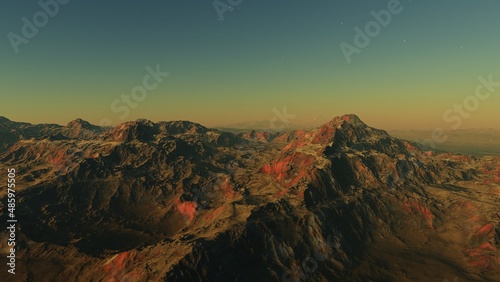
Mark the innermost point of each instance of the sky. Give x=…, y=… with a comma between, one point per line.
x=419, y=70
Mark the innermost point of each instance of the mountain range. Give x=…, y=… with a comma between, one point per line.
x=176, y=201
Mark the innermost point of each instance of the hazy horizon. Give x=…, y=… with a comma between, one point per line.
x=264, y=124
x=260, y=57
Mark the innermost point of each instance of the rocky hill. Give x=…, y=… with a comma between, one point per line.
x=176, y=201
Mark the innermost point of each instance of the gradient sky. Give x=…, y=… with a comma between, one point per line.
x=263, y=55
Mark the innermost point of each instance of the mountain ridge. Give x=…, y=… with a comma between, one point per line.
x=179, y=201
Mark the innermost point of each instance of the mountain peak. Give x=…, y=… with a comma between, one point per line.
x=4, y=119
x=182, y=126
x=144, y=121
x=349, y=118
x=79, y=122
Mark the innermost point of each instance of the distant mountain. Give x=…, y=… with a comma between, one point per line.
x=273, y=125
x=479, y=142
x=176, y=201
x=250, y=125
x=11, y=132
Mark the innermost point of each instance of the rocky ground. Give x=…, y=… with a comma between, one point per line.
x=175, y=201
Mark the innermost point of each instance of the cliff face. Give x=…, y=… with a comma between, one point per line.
x=176, y=201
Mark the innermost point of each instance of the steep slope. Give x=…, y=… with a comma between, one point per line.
x=11, y=132
x=355, y=205
x=175, y=201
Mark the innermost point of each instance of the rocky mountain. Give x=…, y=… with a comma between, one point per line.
x=11, y=132
x=176, y=201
